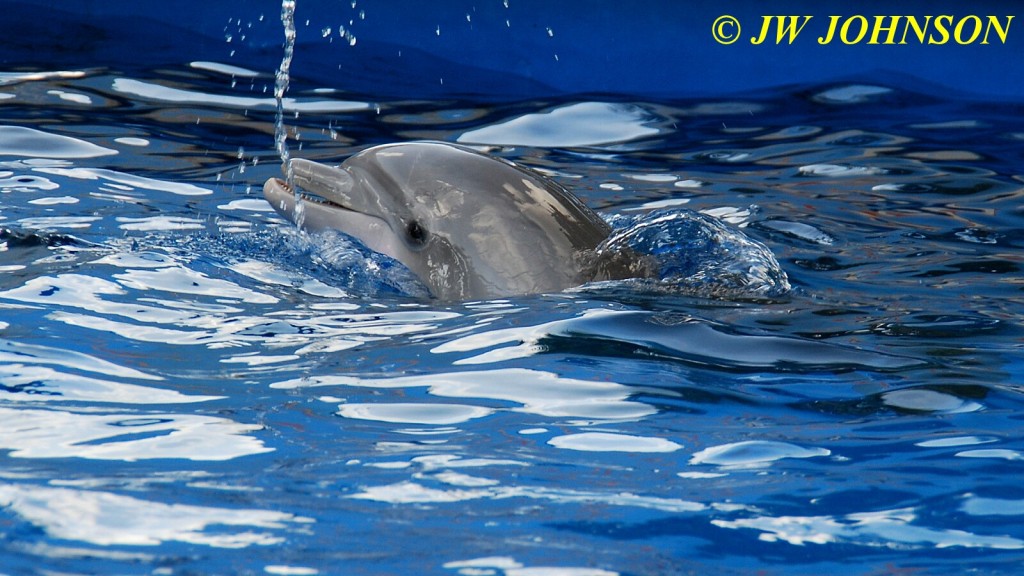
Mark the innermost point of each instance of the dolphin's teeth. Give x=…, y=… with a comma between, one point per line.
x=284, y=185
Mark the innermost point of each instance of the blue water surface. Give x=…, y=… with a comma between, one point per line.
x=190, y=386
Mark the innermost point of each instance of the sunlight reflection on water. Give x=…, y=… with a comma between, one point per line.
x=180, y=370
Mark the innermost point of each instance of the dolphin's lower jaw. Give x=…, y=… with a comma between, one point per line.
x=277, y=186
x=281, y=197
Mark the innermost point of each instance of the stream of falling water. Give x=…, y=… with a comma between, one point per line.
x=281, y=81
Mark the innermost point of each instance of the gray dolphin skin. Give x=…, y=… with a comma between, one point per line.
x=469, y=225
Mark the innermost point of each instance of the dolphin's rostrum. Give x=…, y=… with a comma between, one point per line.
x=469, y=225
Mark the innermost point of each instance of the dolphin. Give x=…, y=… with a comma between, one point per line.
x=467, y=224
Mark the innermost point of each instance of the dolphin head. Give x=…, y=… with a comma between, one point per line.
x=467, y=224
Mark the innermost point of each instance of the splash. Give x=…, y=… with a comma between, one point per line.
x=282, y=78
x=699, y=254
x=281, y=81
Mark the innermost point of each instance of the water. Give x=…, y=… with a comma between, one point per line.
x=282, y=78
x=191, y=387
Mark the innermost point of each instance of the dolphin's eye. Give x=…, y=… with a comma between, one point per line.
x=416, y=233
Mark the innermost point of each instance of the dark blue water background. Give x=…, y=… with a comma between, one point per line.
x=188, y=386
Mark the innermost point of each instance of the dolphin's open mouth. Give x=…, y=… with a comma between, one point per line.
x=327, y=186
x=321, y=198
x=278, y=188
